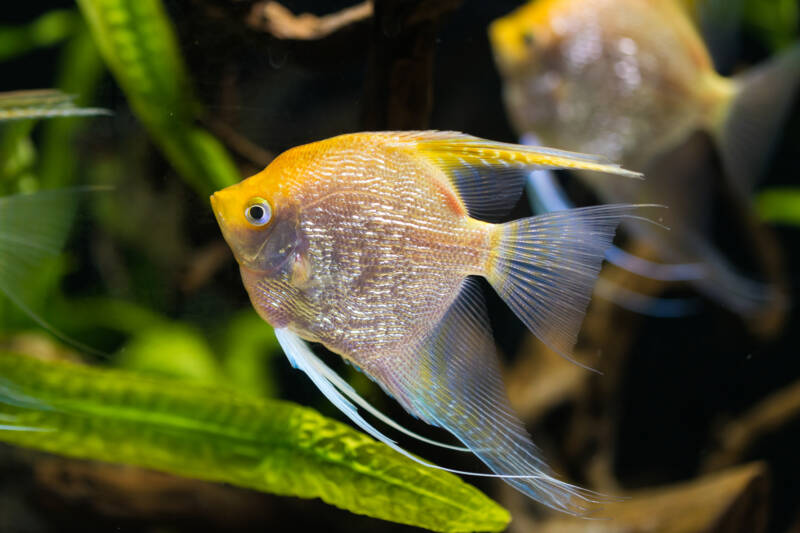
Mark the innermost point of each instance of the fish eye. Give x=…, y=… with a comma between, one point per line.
x=527, y=38
x=258, y=212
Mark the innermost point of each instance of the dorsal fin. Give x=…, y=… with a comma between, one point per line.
x=489, y=175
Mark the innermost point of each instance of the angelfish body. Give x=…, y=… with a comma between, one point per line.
x=367, y=243
x=361, y=297
x=622, y=78
x=632, y=80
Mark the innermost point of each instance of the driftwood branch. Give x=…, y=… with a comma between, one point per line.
x=399, y=90
x=732, y=501
x=736, y=438
x=281, y=23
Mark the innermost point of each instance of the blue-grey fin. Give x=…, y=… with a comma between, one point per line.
x=33, y=229
x=547, y=195
x=4, y=427
x=346, y=389
x=10, y=394
x=42, y=103
x=742, y=295
x=544, y=267
x=302, y=358
x=643, y=304
x=452, y=380
x=489, y=176
x=652, y=270
x=748, y=131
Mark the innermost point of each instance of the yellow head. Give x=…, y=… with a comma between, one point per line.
x=259, y=220
x=516, y=37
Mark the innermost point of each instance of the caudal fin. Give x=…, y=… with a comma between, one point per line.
x=545, y=267
x=747, y=132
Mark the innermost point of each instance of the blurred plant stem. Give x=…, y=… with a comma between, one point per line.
x=80, y=70
x=47, y=30
x=138, y=43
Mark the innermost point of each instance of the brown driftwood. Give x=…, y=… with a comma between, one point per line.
x=129, y=492
x=732, y=501
x=398, y=93
x=604, y=344
x=737, y=437
x=281, y=23
x=541, y=380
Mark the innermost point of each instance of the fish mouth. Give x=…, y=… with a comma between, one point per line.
x=216, y=210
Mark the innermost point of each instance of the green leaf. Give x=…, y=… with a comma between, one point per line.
x=211, y=434
x=47, y=30
x=775, y=20
x=780, y=205
x=250, y=343
x=190, y=356
x=79, y=72
x=138, y=43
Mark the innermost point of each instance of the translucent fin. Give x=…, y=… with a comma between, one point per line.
x=302, y=358
x=651, y=269
x=545, y=267
x=548, y=196
x=738, y=293
x=452, y=380
x=22, y=428
x=326, y=372
x=488, y=175
x=11, y=395
x=42, y=103
x=33, y=229
x=7, y=421
x=750, y=126
x=643, y=304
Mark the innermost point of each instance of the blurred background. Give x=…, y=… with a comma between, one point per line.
x=695, y=415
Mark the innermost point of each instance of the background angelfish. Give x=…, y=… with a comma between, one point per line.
x=368, y=244
x=633, y=80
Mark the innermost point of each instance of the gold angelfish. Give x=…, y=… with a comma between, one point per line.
x=368, y=243
x=632, y=80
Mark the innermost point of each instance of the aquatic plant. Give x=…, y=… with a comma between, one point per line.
x=209, y=433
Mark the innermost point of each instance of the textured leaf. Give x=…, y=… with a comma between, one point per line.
x=138, y=43
x=210, y=434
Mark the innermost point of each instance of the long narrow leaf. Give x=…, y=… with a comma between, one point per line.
x=209, y=434
x=138, y=43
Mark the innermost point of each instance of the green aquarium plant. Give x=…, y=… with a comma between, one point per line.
x=780, y=205
x=138, y=43
x=211, y=434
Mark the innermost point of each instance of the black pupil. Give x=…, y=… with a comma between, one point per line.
x=527, y=38
x=256, y=212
